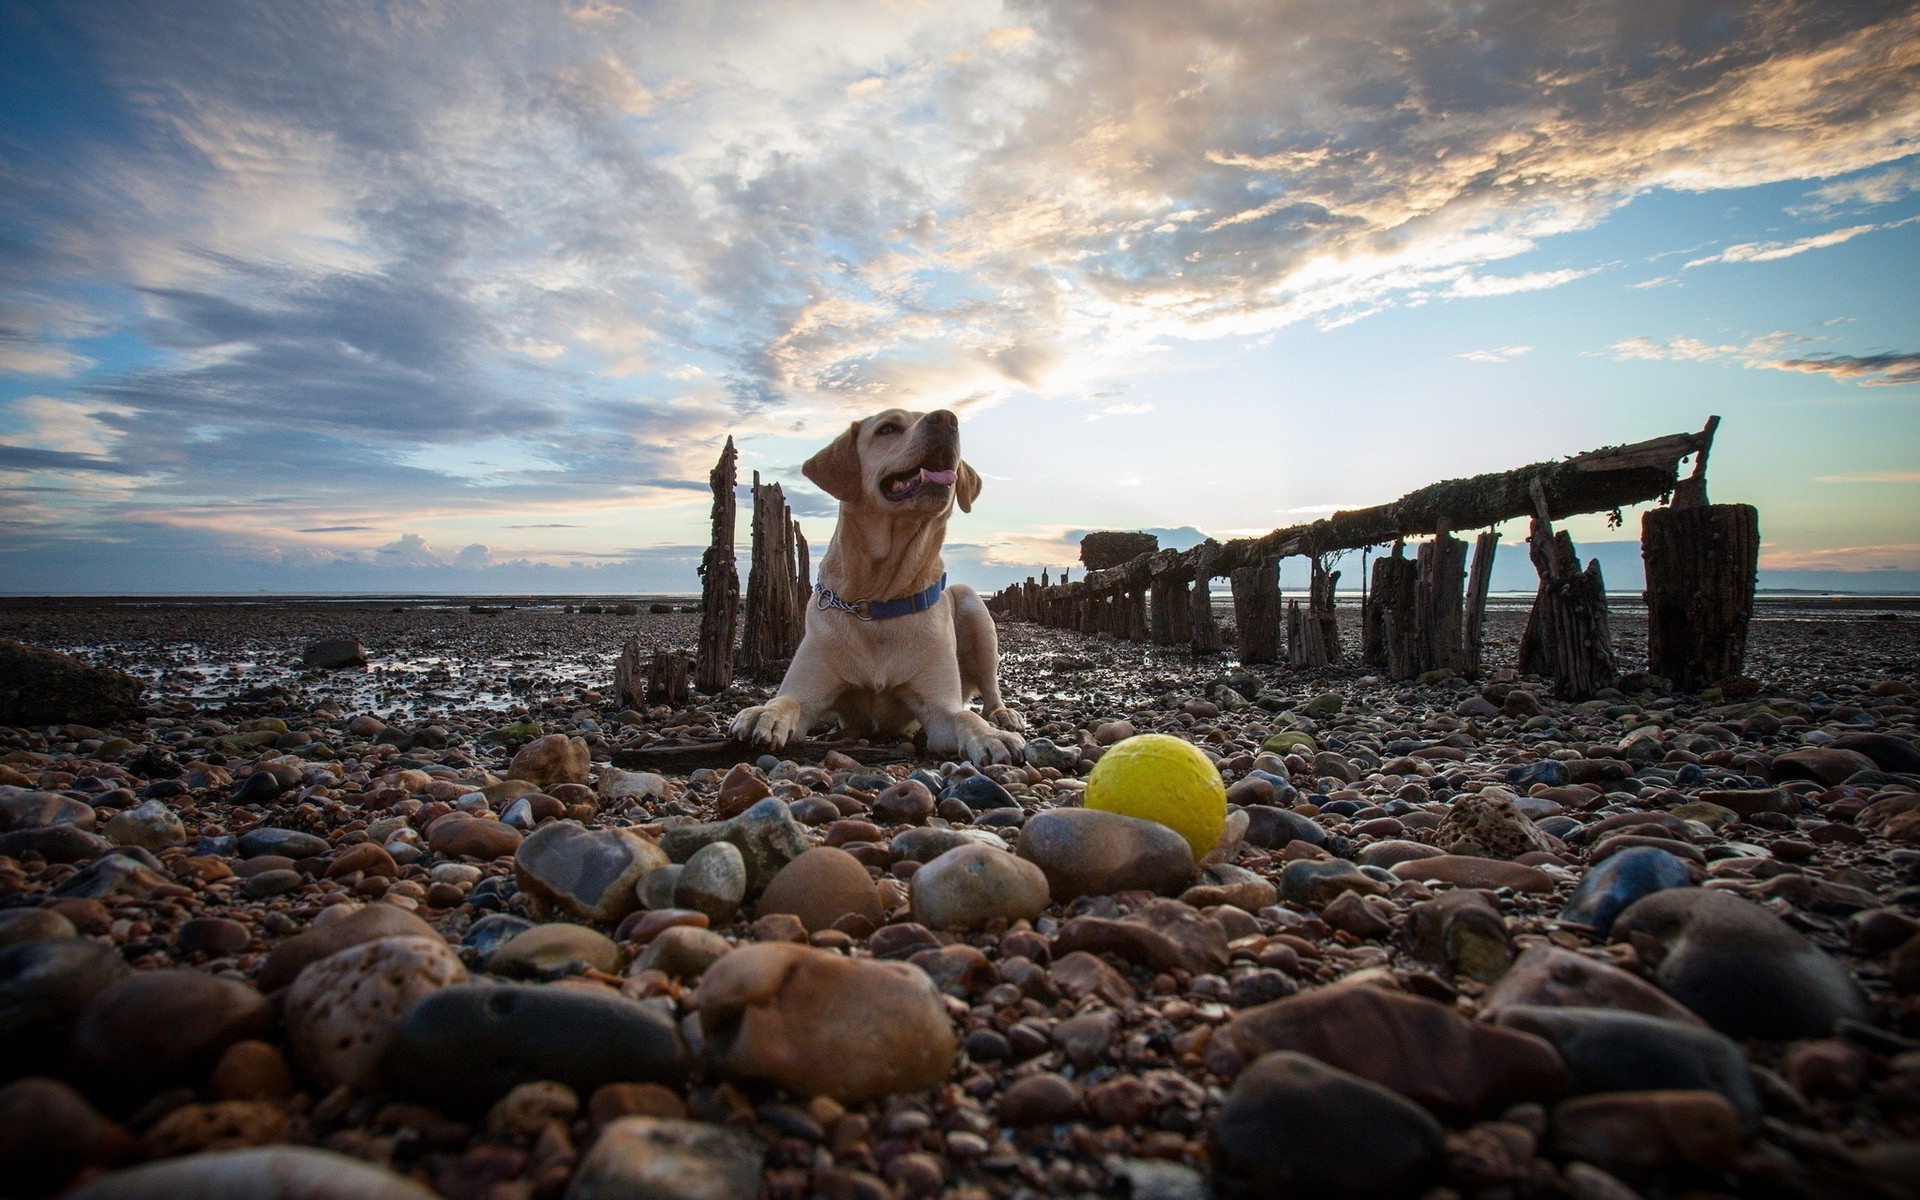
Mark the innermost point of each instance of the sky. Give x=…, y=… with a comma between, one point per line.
x=466, y=296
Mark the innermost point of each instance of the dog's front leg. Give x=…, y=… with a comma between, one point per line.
x=953, y=728
x=804, y=696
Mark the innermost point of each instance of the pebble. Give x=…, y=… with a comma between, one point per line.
x=553, y=949
x=287, y=843
x=713, y=881
x=458, y=835
x=150, y=826
x=342, y=1010
x=1317, y=882
x=907, y=802
x=1471, y=871
x=821, y=887
x=820, y=1024
x=1555, y=977
x=43, y=986
x=155, y=1029
x=682, y=952
x=766, y=835
x=1294, y=1125
x=213, y=936
x=1087, y=852
x=18, y=925
x=1463, y=932
x=588, y=873
x=1423, y=1050
x=374, y=921
x=262, y=1173
x=661, y=1158
x=1043, y=1099
x=1634, y=1132
x=554, y=759
x=1613, y=885
x=1609, y=1051
x=465, y=1046
x=48, y=1131
x=970, y=885
x=1739, y=967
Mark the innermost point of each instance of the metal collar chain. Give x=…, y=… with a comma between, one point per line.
x=881, y=610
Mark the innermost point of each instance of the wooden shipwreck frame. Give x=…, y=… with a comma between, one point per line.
x=1426, y=613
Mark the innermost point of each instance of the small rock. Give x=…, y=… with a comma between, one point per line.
x=1087, y=852
x=821, y=1024
x=1163, y=934
x=682, y=952
x=48, y=1131
x=589, y=873
x=1548, y=975
x=342, y=1010
x=213, y=936
x=529, y=1108
x=905, y=803
x=661, y=1158
x=221, y=1125
x=548, y=761
x=970, y=885
x=150, y=826
x=1613, y=885
x=1042, y=1099
x=458, y=835
x=1293, y=1125
x=1310, y=881
x=1487, y=825
x=1607, y=1051
x=1470, y=871
x=1463, y=932
x=820, y=887
x=554, y=949
x=465, y=1046
x=287, y=959
x=740, y=790
x=1350, y=912
x=21, y=925
x=1422, y=1049
x=714, y=882
x=157, y=1029
x=1739, y=967
x=1643, y=1131
x=261, y=1173
x=766, y=835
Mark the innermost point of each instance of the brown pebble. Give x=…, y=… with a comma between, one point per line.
x=215, y=936
x=1040, y=1100
x=612, y=1101
x=779, y=927
x=251, y=1070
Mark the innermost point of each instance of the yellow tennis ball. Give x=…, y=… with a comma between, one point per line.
x=1161, y=778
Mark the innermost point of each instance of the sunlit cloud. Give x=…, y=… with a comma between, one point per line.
x=1867, y=370
x=1898, y=557
x=1498, y=355
x=1774, y=251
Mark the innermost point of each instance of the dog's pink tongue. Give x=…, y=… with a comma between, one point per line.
x=946, y=477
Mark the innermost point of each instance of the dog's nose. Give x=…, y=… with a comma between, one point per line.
x=943, y=417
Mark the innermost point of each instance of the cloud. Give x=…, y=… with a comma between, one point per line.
x=1498, y=355
x=1120, y=410
x=340, y=263
x=1867, y=370
x=1894, y=557
x=1774, y=251
x=1868, y=190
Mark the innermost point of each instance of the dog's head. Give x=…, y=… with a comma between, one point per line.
x=897, y=461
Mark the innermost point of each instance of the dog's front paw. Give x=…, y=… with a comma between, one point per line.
x=770, y=725
x=982, y=744
x=1005, y=718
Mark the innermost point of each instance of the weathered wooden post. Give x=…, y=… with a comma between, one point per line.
x=1256, y=610
x=720, y=586
x=1320, y=588
x=1442, y=576
x=1387, y=626
x=775, y=610
x=1701, y=560
x=1478, y=579
x=1203, y=633
x=1567, y=636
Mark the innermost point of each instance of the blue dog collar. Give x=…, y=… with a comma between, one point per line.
x=871, y=610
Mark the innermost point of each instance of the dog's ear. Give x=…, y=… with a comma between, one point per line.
x=836, y=469
x=966, y=489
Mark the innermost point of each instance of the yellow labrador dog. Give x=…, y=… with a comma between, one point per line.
x=889, y=645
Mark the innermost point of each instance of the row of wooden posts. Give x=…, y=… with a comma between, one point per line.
x=1419, y=614
x=1427, y=612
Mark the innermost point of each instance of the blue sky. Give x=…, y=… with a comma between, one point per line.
x=414, y=296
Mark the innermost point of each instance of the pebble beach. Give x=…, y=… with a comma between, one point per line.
x=451, y=919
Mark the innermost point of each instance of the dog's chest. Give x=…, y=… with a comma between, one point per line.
x=881, y=655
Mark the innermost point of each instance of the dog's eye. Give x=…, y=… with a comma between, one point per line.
x=887, y=430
